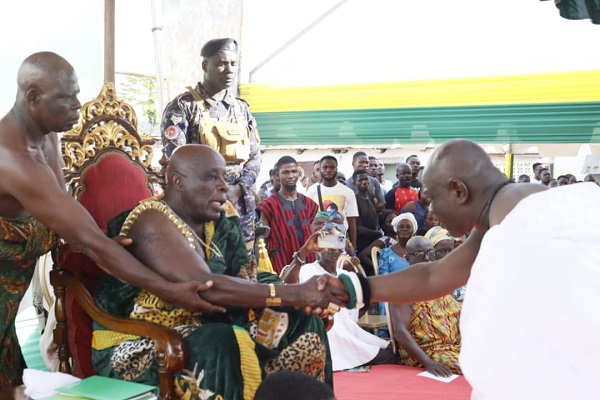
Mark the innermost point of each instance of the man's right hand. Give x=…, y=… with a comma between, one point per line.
x=325, y=280
x=329, y=289
x=186, y=295
x=311, y=244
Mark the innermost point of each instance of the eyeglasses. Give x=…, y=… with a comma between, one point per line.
x=332, y=225
x=441, y=253
x=420, y=255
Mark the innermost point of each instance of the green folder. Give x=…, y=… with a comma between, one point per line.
x=102, y=388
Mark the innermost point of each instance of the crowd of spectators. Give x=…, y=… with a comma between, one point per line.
x=373, y=212
x=368, y=211
x=542, y=174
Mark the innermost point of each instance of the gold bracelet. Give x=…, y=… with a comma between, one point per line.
x=272, y=300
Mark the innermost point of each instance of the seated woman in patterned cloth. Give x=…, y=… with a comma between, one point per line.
x=427, y=332
x=193, y=233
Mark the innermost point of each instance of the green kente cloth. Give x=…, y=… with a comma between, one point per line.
x=224, y=360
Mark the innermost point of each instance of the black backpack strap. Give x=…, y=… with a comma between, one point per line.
x=320, y=197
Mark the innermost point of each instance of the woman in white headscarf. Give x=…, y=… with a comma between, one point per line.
x=393, y=258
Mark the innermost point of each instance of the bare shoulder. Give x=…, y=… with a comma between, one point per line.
x=165, y=243
x=12, y=162
x=154, y=225
x=28, y=173
x=19, y=160
x=509, y=197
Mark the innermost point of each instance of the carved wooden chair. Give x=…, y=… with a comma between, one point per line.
x=108, y=170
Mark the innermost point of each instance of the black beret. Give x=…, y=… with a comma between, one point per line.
x=213, y=46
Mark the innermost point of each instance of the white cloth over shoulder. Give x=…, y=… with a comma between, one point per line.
x=350, y=345
x=531, y=317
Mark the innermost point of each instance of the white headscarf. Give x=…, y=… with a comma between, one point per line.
x=407, y=216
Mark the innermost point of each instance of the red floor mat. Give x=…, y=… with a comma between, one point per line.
x=396, y=382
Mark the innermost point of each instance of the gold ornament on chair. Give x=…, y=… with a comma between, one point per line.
x=264, y=262
x=106, y=122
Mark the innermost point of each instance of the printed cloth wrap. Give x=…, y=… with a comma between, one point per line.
x=22, y=242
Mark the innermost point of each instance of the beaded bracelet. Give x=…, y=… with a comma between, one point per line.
x=366, y=289
x=351, y=290
x=358, y=290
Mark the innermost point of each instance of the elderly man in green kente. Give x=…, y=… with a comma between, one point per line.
x=192, y=233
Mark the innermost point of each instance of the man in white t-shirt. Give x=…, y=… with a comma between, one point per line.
x=332, y=195
x=386, y=184
x=536, y=167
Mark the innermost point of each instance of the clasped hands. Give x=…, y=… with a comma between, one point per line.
x=325, y=294
x=321, y=295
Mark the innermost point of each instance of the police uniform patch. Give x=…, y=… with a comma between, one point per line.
x=176, y=119
x=172, y=132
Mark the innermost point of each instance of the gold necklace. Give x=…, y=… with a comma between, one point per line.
x=184, y=228
x=208, y=248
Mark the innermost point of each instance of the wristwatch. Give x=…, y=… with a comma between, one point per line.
x=273, y=300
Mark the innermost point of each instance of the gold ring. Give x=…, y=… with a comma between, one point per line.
x=333, y=308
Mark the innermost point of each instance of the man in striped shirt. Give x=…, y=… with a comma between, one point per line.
x=288, y=214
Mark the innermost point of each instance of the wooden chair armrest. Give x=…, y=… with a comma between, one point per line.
x=170, y=349
x=61, y=252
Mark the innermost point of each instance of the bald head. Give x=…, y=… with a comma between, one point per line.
x=463, y=160
x=47, y=94
x=196, y=187
x=189, y=159
x=38, y=68
x=418, y=243
x=460, y=179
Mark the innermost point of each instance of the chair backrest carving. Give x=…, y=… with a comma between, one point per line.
x=106, y=123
